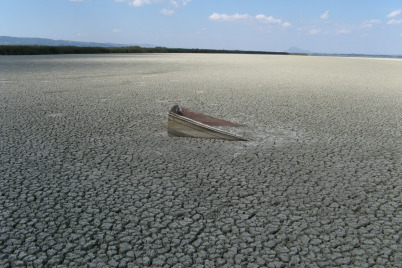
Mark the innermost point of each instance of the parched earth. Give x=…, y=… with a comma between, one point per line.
x=89, y=177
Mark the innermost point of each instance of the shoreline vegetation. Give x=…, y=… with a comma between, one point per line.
x=51, y=50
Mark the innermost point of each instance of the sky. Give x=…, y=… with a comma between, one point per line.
x=321, y=26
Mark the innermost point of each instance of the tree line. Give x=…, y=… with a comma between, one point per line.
x=45, y=50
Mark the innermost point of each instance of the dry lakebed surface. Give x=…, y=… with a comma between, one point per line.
x=89, y=176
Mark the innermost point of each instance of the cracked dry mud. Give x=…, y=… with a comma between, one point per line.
x=90, y=177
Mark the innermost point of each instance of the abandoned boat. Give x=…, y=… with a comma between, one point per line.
x=183, y=122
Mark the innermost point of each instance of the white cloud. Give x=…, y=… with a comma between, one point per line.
x=264, y=19
x=77, y=0
x=394, y=21
x=172, y=4
x=167, y=11
x=225, y=17
x=394, y=13
x=260, y=18
x=202, y=30
x=179, y=3
x=343, y=31
x=117, y=31
x=370, y=23
x=325, y=15
x=138, y=3
x=314, y=31
x=271, y=20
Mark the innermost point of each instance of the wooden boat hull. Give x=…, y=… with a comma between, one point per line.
x=180, y=126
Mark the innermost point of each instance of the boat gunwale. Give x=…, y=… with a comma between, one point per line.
x=213, y=129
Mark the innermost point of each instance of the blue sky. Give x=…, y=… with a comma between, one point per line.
x=342, y=26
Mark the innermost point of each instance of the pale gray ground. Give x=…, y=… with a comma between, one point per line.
x=88, y=175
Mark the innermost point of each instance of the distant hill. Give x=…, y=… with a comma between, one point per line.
x=298, y=50
x=357, y=55
x=9, y=40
